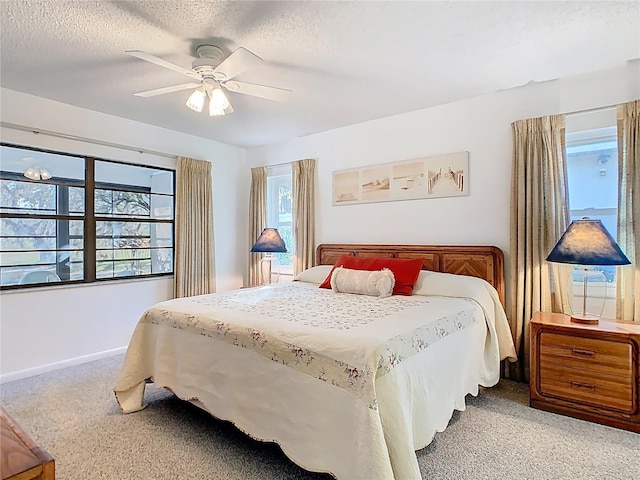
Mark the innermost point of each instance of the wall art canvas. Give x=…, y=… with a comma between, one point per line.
x=434, y=176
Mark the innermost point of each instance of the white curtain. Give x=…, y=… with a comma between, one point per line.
x=257, y=219
x=303, y=174
x=539, y=217
x=628, y=278
x=194, y=253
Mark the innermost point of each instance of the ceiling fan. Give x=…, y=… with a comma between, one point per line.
x=212, y=76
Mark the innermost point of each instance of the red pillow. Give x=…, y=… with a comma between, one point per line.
x=405, y=270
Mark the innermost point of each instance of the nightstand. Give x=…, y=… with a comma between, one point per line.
x=586, y=371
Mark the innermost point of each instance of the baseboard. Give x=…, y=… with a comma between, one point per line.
x=50, y=367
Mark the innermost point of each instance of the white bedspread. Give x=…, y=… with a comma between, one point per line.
x=346, y=384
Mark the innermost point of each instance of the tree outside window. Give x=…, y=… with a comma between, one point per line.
x=47, y=235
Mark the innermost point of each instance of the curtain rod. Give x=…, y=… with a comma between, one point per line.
x=591, y=110
x=271, y=165
x=280, y=164
x=39, y=131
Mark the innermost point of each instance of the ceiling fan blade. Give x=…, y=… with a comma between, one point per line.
x=262, y=91
x=160, y=91
x=236, y=63
x=162, y=63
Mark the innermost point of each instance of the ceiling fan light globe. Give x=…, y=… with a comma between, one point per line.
x=196, y=100
x=32, y=174
x=218, y=103
x=215, y=112
x=44, y=174
x=219, y=99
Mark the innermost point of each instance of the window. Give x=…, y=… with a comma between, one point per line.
x=592, y=171
x=82, y=220
x=279, y=212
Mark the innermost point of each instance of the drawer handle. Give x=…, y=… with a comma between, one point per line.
x=583, y=353
x=583, y=385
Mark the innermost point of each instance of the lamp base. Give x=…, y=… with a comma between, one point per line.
x=589, y=295
x=269, y=270
x=585, y=318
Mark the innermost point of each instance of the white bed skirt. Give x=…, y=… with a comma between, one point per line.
x=272, y=402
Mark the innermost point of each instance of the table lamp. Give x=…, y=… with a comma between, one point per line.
x=269, y=242
x=586, y=242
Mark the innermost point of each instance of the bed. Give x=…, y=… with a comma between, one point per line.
x=351, y=385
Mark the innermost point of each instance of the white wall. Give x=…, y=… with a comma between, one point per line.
x=480, y=125
x=43, y=329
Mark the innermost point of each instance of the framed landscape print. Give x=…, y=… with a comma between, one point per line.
x=435, y=176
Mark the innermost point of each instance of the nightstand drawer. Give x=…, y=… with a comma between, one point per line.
x=588, y=387
x=592, y=354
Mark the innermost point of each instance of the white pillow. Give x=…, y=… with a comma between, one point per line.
x=449, y=285
x=315, y=274
x=377, y=283
x=423, y=282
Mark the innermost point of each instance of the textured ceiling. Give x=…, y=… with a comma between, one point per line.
x=346, y=62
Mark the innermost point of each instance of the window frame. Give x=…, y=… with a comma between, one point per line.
x=594, y=140
x=89, y=217
x=275, y=177
x=604, y=139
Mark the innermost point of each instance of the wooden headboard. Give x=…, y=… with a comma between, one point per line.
x=486, y=262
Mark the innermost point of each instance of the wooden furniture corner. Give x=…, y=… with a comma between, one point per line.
x=586, y=371
x=21, y=457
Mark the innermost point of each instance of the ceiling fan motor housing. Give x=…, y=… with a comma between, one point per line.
x=209, y=57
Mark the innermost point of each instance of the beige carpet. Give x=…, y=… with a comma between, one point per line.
x=73, y=414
